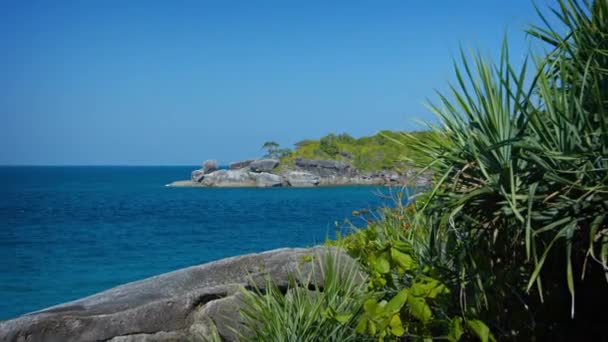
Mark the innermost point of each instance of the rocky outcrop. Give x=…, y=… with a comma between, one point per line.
x=266, y=180
x=263, y=165
x=210, y=166
x=228, y=178
x=239, y=178
x=301, y=179
x=197, y=175
x=325, y=168
x=241, y=164
x=304, y=173
x=189, y=304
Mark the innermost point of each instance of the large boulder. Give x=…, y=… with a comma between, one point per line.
x=210, y=166
x=267, y=180
x=229, y=178
x=240, y=164
x=325, y=168
x=182, y=305
x=301, y=179
x=263, y=165
x=197, y=175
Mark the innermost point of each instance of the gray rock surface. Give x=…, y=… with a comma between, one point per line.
x=187, y=304
x=326, y=168
x=197, y=175
x=229, y=178
x=301, y=179
x=240, y=164
x=210, y=166
x=184, y=184
x=305, y=173
x=266, y=180
x=263, y=165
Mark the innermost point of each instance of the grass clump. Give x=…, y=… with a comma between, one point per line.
x=305, y=311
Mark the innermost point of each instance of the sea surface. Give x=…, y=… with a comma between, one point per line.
x=68, y=232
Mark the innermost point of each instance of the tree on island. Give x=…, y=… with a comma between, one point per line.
x=273, y=150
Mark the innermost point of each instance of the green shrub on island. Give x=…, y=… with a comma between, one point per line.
x=377, y=152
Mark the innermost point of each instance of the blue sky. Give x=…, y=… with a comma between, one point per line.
x=177, y=82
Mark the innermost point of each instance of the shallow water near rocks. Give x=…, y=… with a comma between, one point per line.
x=68, y=232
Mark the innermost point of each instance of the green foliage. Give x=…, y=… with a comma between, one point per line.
x=521, y=190
x=407, y=297
x=515, y=227
x=378, y=152
x=329, y=145
x=298, y=314
x=273, y=150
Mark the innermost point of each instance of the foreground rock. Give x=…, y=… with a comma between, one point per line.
x=188, y=304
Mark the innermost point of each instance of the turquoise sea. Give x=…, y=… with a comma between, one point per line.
x=68, y=232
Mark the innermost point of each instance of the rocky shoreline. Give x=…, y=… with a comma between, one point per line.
x=265, y=173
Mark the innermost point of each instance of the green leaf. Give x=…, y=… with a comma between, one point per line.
x=456, y=331
x=343, y=318
x=362, y=325
x=370, y=306
x=428, y=288
x=405, y=261
x=371, y=328
x=380, y=264
x=397, y=326
x=397, y=302
x=402, y=246
x=420, y=309
x=481, y=330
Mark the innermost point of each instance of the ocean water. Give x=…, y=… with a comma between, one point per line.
x=68, y=232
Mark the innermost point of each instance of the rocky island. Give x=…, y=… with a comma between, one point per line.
x=269, y=172
x=334, y=159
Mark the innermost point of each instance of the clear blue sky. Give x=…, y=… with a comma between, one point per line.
x=177, y=82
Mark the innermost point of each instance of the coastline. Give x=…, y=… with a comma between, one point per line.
x=191, y=184
x=264, y=173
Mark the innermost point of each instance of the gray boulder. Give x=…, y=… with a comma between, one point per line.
x=325, y=168
x=301, y=179
x=187, y=304
x=210, y=166
x=229, y=178
x=240, y=164
x=263, y=165
x=197, y=175
x=266, y=180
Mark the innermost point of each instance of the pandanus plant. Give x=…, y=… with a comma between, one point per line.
x=520, y=158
